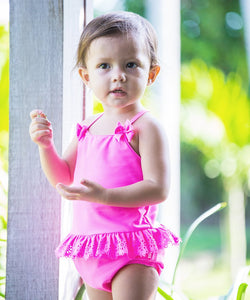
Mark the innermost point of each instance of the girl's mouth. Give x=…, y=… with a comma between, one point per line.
x=118, y=92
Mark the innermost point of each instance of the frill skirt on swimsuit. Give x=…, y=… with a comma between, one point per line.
x=99, y=257
x=144, y=243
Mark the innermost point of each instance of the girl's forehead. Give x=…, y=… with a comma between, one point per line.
x=128, y=43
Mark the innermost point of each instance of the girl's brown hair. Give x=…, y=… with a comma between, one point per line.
x=117, y=23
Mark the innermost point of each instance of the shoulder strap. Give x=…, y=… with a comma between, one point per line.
x=137, y=116
x=96, y=119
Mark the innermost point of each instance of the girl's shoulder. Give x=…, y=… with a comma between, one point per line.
x=89, y=120
x=148, y=125
x=153, y=141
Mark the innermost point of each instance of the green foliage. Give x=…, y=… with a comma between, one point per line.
x=222, y=95
x=80, y=293
x=2, y=283
x=171, y=287
x=240, y=285
x=97, y=106
x=4, y=88
x=215, y=118
x=233, y=106
x=212, y=30
x=238, y=290
x=4, y=79
x=137, y=6
x=192, y=228
x=212, y=35
x=198, y=191
x=164, y=294
x=4, y=128
x=242, y=291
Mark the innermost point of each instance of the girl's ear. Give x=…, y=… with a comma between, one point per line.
x=153, y=72
x=83, y=72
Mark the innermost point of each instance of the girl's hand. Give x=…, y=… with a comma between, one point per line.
x=40, y=129
x=89, y=191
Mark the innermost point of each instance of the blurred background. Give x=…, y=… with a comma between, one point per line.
x=215, y=138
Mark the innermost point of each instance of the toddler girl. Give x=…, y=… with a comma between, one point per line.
x=116, y=169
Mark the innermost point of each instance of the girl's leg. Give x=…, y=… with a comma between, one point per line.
x=95, y=294
x=135, y=282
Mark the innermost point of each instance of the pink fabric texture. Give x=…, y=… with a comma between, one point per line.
x=142, y=243
x=101, y=271
x=101, y=231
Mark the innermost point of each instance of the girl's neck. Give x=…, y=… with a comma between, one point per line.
x=122, y=113
x=107, y=124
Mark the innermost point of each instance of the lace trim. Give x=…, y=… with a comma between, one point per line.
x=143, y=243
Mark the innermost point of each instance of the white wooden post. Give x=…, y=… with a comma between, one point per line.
x=76, y=106
x=36, y=81
x=165, y=17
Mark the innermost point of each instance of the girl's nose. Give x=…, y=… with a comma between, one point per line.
x=118, y=75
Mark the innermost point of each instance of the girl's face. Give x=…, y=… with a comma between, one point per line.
x=118, y=69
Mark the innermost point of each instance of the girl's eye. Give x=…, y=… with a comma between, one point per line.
x=132, y=65
x=104, y=66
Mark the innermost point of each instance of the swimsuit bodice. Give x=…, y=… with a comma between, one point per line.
x=110, y=161
x=100, y=230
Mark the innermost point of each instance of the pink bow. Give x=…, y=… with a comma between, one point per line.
x=126, y=130
x=81, y=131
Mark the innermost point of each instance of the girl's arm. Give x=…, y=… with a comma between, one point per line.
x=151, y=190
x=56, y=169
x=154, y=188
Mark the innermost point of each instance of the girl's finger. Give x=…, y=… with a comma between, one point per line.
x=34, y=113
x=42, y=133
x=40, y=125
x=39, y=120
x=40, y=130
x=37, y=113
x=62, y=189
x=88, y=183
x=68, y=189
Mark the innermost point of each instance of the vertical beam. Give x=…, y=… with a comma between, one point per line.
x=88, y=15
x=36, y=78
x=72, y=112
x=76, y=106
x=236, y=227
x=165, y=17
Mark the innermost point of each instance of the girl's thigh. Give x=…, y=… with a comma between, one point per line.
x=95, y=294
x=135, y=282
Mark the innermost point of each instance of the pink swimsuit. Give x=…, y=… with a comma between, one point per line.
x=104, y=238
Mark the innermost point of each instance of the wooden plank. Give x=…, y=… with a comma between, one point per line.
x=165, y=17
x=36, y=78
x=76, y=105
x=77, y=14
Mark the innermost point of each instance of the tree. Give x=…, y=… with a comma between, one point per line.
x=215, y=118
x=213, y=30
